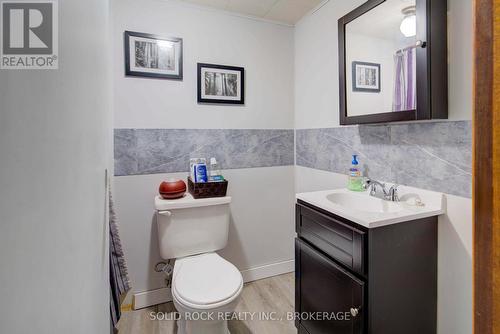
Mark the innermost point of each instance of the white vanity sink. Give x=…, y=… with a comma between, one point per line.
x=354, y=201
x=371, y=212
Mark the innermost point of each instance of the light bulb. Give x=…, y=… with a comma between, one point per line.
x=409, y=26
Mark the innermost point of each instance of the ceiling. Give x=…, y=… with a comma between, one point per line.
x=285, y=11
x=382, y=21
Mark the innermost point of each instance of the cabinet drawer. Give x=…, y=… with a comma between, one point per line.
x=342, y=242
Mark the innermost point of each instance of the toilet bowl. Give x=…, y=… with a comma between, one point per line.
x=205, y=290
x=205, y=287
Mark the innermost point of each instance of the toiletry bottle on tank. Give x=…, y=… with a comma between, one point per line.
x=214, y=173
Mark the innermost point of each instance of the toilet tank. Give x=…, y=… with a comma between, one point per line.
x=189, y=226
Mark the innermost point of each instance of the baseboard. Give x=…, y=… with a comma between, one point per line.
x=151, y=297
x=163, y=295
x=268, y=270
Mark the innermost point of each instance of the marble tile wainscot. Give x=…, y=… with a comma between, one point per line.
x=432, y=155
x=151, y=151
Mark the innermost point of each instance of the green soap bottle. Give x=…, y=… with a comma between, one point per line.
x=355, y=182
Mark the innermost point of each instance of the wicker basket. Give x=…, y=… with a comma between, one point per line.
x=207, y=189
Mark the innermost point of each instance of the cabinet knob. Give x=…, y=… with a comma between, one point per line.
x=354, y=312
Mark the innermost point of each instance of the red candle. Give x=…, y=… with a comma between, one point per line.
x=172, y=189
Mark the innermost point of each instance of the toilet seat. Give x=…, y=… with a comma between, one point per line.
x=205, y=281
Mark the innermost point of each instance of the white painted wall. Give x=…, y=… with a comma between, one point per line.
x=55, y=129
x=455, y=267
x=316, y=63
x=460, y=54
x=262, y=227
x=316, y=77
x=264, y=49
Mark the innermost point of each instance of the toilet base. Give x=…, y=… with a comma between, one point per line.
x=208, y=321
x=202, y=326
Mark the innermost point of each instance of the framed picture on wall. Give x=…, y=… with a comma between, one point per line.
x=153, y=56
x=365, y=77
x=221, y=84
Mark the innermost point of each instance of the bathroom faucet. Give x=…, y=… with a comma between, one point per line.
x=378, y=190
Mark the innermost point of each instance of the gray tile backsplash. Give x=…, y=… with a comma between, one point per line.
x=432, y=155
x=150, y=151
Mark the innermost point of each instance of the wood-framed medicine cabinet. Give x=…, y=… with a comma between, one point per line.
x=393, y=62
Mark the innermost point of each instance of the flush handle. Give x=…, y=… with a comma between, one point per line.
x=165, y=213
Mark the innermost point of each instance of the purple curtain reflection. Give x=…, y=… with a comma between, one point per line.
x=404, y=81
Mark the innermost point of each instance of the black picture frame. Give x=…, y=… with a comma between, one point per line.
x=432, y=76
x=240, y=70
x=136, y=73
x=355, y=88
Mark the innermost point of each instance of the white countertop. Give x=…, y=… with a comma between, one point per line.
x=371, y=212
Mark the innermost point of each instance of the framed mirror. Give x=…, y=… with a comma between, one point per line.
x=393, y=62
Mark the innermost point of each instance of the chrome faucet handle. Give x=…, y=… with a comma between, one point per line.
x=393, y=193
x=374, y=185
x=379, y=190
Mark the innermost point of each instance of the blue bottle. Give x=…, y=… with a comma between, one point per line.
x=200, y=172
x=355, y=182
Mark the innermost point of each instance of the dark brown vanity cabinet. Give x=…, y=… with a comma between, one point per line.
x=354, y=280
x=327, y=287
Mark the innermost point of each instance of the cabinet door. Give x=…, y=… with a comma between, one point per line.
x=327, y=294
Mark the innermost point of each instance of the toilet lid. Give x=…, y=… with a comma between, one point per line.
x=206, y=279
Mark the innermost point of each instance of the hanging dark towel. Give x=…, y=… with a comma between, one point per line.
x=118, y=273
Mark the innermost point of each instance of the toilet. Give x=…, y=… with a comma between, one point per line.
x=205, y=287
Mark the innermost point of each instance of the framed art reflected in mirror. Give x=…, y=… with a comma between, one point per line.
x=365, y=77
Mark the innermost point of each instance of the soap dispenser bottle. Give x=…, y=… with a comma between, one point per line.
x=355, y=182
